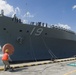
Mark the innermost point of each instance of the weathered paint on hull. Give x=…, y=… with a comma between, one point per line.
x=34, y=43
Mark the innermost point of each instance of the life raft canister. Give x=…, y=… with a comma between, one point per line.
x=9, y=47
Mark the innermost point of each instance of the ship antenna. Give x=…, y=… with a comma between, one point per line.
x=2, y=12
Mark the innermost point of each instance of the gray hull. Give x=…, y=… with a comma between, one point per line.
x=33, y=43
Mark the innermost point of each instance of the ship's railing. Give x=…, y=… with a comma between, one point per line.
x=14, y=18
x=42, y=24
x=52, y=26
x=62, y=28
x=39, y=24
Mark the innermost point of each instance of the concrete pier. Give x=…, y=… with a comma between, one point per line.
x=57, y=67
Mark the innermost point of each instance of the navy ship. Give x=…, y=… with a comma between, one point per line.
x=36, y=41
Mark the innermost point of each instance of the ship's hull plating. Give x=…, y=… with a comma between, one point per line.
x=33, y=43
x=37, y=49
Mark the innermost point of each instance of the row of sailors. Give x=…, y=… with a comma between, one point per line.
x=16, y=19
x=51, y=26
x=45, y=25
x=39, y=24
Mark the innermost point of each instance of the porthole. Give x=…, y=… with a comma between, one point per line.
x=45, y=33
x=27, y=31
x=20, y=30
x=4, y=28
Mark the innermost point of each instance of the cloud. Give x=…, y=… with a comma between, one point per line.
x=8, y=9
x=74, y=7
x=26, y=17
x=63, y=26
x=27, y=14
x=16, y=11
x=25, y=21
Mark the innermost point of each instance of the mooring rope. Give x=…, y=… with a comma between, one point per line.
x=49, y=50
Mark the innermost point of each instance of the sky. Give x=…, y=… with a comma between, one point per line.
x=56, y=12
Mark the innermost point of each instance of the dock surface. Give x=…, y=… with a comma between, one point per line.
x=42, y=68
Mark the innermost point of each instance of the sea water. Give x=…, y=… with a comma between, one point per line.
x=1, y=54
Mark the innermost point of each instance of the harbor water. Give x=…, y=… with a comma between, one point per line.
x=0, y=58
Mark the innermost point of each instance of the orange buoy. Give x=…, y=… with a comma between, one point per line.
x=9, y=47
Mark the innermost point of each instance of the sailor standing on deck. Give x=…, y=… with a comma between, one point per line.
x=6, y=59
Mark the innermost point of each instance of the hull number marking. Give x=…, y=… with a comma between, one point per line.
x=37, y=32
